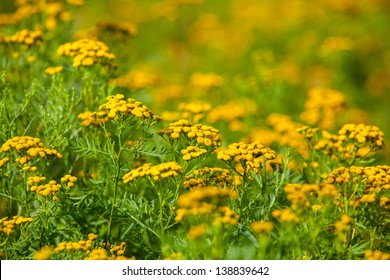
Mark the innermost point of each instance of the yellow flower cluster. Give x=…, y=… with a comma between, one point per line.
x=3, y=161
x=82, y=245
x=118, y=250
x=262, y=226
x=375, y=180
x=113, y=253
x=69, y=179
x=156, y=172
x=206, y=81
x=166, y=93
x=203, y=134
x=232, y=112
x=43, y=253
x=8, y=226
x=86, y=52
x=362, y=135
x=323, y=106
x=342, y=225
x=192, y=152
x=192, y=111
x=207, y=201
x=52, y=11
x=26, y=37
x=98, y=254
x=24, y=9
x=136, y=79
x=116, y=107
x=351, y=142
x=376, y=255
x=89, y=118
x=30, y=148
x=196, y=232
x=245, y=156
x=300, y=194
x=227, y=216
x=51, y=188
x=283, y=130
x=285, y=215
x=54, y=70
x=208, y=176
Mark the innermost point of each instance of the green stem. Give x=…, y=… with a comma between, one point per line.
x=117, y=173
x=113, y=202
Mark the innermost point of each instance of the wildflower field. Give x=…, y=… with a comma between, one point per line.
x=194, y=129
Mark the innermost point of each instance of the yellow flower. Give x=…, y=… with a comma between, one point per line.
x=198, y=133
x=26, y=37
x=196, y=232
x=285, y=215
x=208, y=176
x=155, y=172
x=3, y=161
x=262, y=226
x=192, y=152
x=43, y=253
x=246, y=156
x=322, y=107
x=206, y=81
x=54, y=70
x=85, y=52
x=376, y=255
x=136, y=79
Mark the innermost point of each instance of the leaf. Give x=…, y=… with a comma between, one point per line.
x=247, y=233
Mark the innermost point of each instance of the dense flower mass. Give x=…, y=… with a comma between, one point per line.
x=136, y=79
x=207, y=202
x=233, y=113
x=323, y=106
x=192, y=111
x=3, y=161
x=86, y=52
x=247, y=156
x=156, y=172
x=208, y=176
x=286, y=215
x=115, y=108
x=262, y=226
x=192, y=152
x=302, y=194
x=206, y=81
x=376, y=255
x=26, y=37
x=28, y=148
x=283, y=130
x=54, y=70
x=7, y=226
x=351, y=143
x=374, y=182
x=199, y=133
x=83, y=245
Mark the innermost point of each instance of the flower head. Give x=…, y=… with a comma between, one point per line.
x=86, y=52
x=155, y=172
